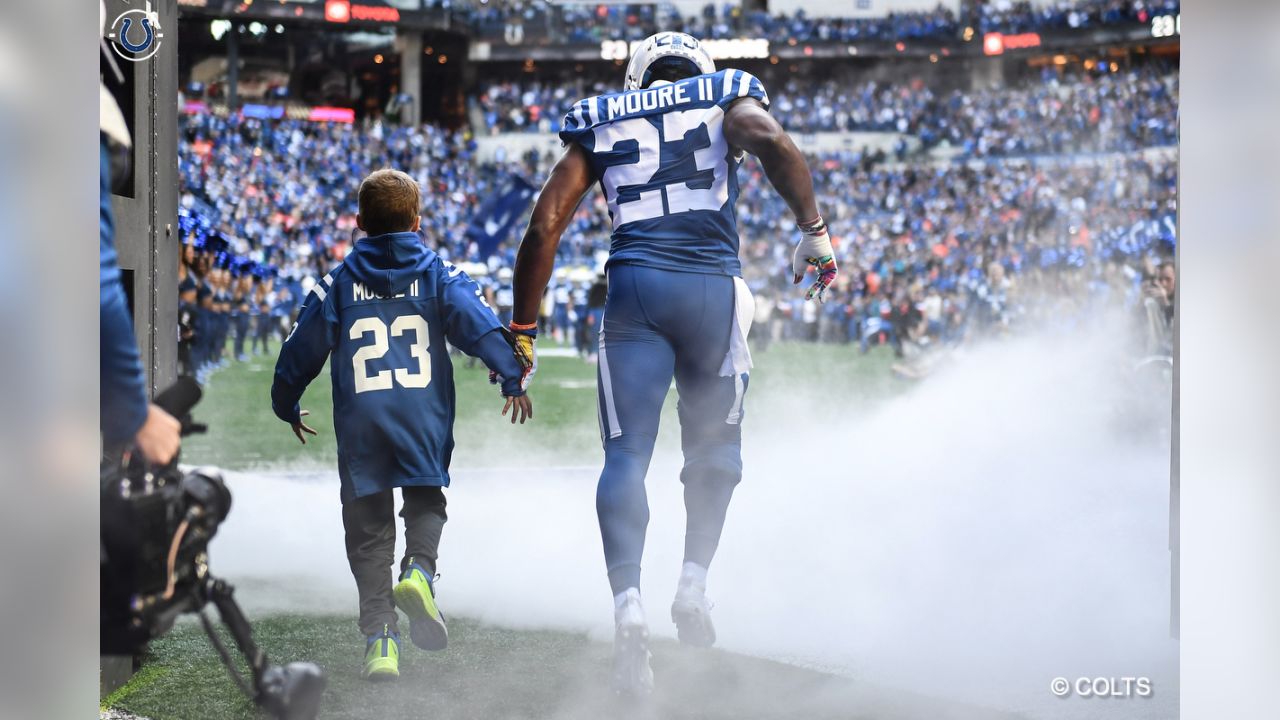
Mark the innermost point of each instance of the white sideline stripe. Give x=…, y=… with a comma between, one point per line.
x=606, y=383
x=505, y=469
x=561, y=352
x=325, y=474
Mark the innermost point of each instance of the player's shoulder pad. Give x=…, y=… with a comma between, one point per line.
x=325, y=284
x=452, y=276
x=449, y=271
x=581, y=117
x=731, y=84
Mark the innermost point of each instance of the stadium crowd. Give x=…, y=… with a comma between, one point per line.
x=1017, y=17
x=269, y=206
x=929, y=252
x=948, y=251
x=1102, y=109
x=589, y=23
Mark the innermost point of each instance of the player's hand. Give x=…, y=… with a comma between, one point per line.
x=159, y=437
x=520, y=406
x=814, y=250
x=522, y=339
x=300, y=427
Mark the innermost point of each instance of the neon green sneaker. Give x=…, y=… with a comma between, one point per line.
x=382, y=655
x=415, y=595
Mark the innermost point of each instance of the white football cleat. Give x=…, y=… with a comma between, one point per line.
x=691, y=612
x=631, y=672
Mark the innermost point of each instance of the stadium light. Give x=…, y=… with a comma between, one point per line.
x=337, y=10
x=218, y=28
x=994, y=43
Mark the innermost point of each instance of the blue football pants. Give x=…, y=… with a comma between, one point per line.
x=659, y=325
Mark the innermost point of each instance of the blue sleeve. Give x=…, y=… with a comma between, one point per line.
x=123, y=389
x=495, y=352
x=735, y=84
x=304, y=352
x=467, y=315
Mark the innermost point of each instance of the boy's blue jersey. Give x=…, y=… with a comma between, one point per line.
x=384, y=315
x=667, y=173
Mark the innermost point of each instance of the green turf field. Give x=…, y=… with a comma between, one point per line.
x=491, y=672
x=243, y=434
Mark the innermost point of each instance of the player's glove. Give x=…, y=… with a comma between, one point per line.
x=814, y=250
x=522, y=339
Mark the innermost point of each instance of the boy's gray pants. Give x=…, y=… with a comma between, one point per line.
x=370, y=525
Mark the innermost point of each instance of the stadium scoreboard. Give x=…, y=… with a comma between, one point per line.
x=334, y=13
x=1163, y=26
x=729, y=49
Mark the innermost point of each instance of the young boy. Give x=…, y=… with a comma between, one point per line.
x=381, y=318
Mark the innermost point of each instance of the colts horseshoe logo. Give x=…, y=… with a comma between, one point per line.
x=136, y=34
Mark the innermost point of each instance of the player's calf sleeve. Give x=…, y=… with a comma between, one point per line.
x=709, y=479
x=623, y=508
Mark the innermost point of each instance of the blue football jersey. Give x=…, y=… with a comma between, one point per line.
x=667, y=173
x=382, y=319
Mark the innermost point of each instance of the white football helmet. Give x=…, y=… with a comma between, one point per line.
x=667, y=49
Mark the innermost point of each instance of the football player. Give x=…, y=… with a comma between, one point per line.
x=384, y=315
x=665, y=152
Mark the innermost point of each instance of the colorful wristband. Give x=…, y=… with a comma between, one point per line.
x=813, y=227
x=531, y=329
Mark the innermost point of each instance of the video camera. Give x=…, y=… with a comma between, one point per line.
x=156, y=528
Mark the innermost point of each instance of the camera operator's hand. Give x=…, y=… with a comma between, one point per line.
x=159, y=437
x=300, y=427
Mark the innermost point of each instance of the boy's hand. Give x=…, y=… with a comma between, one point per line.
x=521, y=406
x=300, y=427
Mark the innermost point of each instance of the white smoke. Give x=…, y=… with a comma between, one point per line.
x=1003, y=523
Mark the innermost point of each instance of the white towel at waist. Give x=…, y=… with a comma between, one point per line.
x=738, y=360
